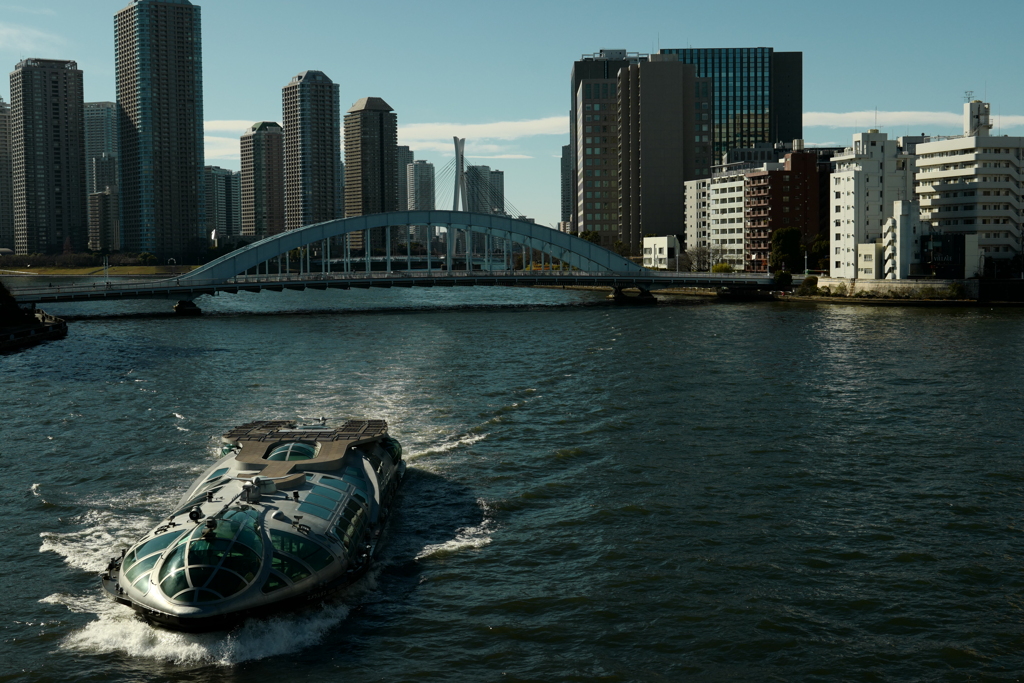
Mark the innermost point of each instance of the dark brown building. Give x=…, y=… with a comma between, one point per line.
x=786, y=198
x=592, y=194
x=103, y=225
x=312, y=150
x=371, y=158
x=48, y=154
x=662, y=107
x=371, y=163
x=262, y=190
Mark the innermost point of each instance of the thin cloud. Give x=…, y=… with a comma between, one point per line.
x=498, y=156
x=22, y=39
x=498, y=130
x=914, y=119
x=46, y=11
x=221, y=148
x=228, y=126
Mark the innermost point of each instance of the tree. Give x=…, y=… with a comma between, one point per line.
x=700, y=259
x=723, y=267
x=591, y=236
x=787, y=253
x=621, y=248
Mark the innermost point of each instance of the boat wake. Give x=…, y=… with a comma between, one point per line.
x=103, y=534
x=466, y=538
x=446, y=446
x=118, y=630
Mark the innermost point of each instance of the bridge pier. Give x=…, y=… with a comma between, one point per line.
x=187, y=307
x=644, y=298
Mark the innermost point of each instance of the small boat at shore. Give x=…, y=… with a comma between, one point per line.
x=289, y=516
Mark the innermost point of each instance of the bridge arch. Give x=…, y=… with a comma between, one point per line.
x=567, y=249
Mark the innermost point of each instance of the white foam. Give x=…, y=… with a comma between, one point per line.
x=35, y=490
x=445, y=446
x=118, y=629
x=92, y=547
x=466, y=538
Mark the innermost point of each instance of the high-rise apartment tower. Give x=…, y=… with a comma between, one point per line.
x=371, y=157
x=312, y=149
x=48, y=151
x=262, y=180
x=100, y=146
x=159, y=55
x=223, y=205
x=6, y=188
x=661, y=104
x=405, y=157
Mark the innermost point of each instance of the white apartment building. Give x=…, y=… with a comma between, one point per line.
x=696, y=225
x=725, y=222
x=661, y=252
x=901, y=242
x=972, y=184
x=868, y=178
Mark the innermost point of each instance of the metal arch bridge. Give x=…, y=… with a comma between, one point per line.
x=477, y=249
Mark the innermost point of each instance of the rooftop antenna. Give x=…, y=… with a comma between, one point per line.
x=968, y=95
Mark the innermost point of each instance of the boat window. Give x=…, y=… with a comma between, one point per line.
x=199, y=497
x=333, y=482
x=294, y=570
x=173, y=563
x=142, y=584
x=295, y=450
x=226, y=583
x=310, y=552
x=217, y=474
x=243, y=561
x=151, y=546
x=315, y=510
x=223, y=559
x=273, y=582
x=393, y=447
x=140, y=567
x=322, y=501
x=174, y=584
x=198, y=576
x=326, y=492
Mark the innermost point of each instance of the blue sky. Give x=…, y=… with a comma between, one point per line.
x=498, y=73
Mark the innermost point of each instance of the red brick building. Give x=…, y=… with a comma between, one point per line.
x=783, y=198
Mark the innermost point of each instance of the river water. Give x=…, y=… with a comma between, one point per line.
x=709, y=491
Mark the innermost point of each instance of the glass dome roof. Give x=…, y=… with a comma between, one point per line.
x=214, y=563
x=295, y=450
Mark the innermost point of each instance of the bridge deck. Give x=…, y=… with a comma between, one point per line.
x=189, y=288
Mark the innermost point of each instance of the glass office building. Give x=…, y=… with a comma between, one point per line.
x=758, y=93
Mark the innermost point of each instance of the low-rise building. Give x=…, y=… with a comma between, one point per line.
x=696, y=218
x=726, y=225
x=971, y=184
x=869, y=176
x=662, y=252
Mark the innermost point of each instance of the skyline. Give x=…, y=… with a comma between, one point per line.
x=506, y=90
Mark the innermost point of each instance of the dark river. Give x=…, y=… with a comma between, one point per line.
x=741, y=492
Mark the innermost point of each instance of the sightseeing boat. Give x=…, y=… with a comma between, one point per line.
x=288, y=517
